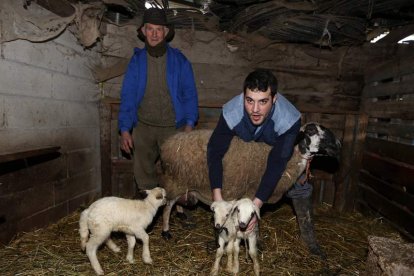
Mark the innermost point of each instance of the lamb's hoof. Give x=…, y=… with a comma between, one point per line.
x=166, y=235
x=131, y=261
x=147, y=261
x=99, y=272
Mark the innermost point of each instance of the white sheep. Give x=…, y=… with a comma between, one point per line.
x=244, y=211
x=185, y=171
x=231, y=220
x=224, y=224
x=110, y=214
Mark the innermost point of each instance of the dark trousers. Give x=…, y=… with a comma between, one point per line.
x=147, y=143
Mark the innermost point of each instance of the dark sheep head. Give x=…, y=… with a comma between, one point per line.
x=318, y=142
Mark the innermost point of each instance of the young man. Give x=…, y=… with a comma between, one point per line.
x=158, y=97
x=262, y=114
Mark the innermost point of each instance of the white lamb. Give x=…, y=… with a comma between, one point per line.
x=244, y=211
x=233, y=224
x=224, y=224
x=118, y=214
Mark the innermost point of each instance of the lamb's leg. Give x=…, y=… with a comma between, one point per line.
x=111, y=244
x=253, y=253
x=143, y=236
x=131, y=244
x=166, y=219
x=219, y=254
x=91, y=248
x=229, y=252
x=236, y=256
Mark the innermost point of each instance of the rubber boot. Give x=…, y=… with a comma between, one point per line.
x=303, y=210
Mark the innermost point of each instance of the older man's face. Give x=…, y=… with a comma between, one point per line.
x=154, y=33
x=258, y=105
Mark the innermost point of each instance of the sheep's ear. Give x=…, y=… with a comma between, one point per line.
x=159, y=195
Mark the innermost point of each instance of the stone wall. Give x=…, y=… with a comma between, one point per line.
x=47, y=98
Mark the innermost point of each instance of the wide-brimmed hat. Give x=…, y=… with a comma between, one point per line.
x=157, y=17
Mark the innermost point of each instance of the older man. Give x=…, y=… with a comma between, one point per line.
x=158, y=97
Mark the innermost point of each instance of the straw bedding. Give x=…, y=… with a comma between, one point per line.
x=55, y=250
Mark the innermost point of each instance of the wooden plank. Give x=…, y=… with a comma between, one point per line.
x=393, y=88
x=396, y=173
x=389, y=191
x=390, y=69
x=397, y=151
x=395, y=213
x=26, y=152
x=389, y=109
x=401, y=130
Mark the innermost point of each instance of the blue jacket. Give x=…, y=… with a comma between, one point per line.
x=180, y=81
x=279, y=130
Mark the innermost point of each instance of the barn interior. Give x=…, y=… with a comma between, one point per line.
x=61, y=71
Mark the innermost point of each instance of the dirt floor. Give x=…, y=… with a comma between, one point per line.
x=55, y=250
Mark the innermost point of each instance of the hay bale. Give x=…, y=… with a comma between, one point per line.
x=389, y=257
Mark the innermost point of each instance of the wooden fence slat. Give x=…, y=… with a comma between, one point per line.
x=394, y=172
x=401, y=218
x=388, y=89
x=388, y=109
x=400, y=130
x=390, y=69
x=389, y=191
x=400, y=152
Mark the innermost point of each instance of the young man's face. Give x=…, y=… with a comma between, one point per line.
x=258, y=105
x=154, y=33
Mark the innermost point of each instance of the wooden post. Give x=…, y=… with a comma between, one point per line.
x=358, y=151
x=344, y=174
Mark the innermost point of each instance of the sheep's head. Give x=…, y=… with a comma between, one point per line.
x=243, y=211
x=158, y=194
x=315, y=140
x=222, y=211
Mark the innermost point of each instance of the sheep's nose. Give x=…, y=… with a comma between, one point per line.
x=218, y=226
x=242, y=225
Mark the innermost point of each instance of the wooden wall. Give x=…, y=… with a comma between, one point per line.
x=386, y=179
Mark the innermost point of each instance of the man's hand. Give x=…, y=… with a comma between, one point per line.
x=217, y=194
x=187, y=128
x=254, y=220
x=126, y=142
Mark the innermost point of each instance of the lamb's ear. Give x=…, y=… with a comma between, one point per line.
x=212, y=206
x=159, y=195
x=141, y=194
x=234, y=208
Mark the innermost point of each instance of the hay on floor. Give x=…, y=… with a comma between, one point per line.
x=55, y=250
